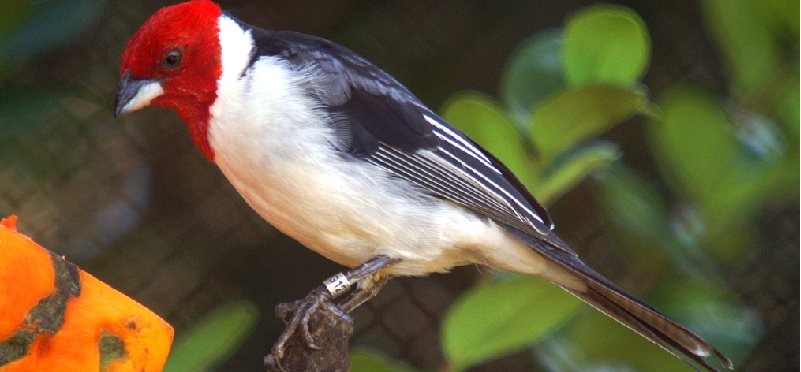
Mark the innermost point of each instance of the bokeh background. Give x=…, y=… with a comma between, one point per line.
x=133, y=202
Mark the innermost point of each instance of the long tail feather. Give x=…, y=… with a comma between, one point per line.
x=625, y=308
x=648, y=322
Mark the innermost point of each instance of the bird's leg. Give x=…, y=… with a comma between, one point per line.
x=366, y=288
x=369, y=281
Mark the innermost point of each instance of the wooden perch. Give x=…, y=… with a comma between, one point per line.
x=56, y=317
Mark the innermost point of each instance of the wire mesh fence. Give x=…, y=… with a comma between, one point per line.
x=133, y=202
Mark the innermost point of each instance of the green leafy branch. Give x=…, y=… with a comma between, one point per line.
x=561, y=90
x=723, y=159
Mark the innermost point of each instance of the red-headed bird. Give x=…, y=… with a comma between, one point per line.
x=337, y=154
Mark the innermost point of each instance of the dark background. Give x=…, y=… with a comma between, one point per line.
x=134, y=203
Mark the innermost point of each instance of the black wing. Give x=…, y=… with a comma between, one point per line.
x=380, y=121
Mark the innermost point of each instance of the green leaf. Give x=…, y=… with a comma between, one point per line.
x=532, y=74
x=581, y=113
x=698, y=150
x=746, y=190
x=364, y=360
x=752, y=53
x=481, y=119
x=788, y=112
x=636, y=210
x=783, y=15
x=501, y=317
x=605, y=44
x=214, y=338
x=693, y=141
x=573, y=167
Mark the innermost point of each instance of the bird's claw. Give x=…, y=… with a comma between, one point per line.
x=301, y=313
x=316, y=317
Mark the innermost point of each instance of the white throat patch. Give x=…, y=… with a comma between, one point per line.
x=236, y=45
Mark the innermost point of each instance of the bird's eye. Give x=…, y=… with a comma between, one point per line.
x=172, y=59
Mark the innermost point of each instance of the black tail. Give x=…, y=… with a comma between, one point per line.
x=625, y=308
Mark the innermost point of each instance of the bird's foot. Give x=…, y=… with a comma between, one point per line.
x=311, y=319
x=316, y=320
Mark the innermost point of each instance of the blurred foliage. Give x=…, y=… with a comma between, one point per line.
x=366, y=360
x=213, y=338
x=51, y=139
x=492, y=320
x=28, y=29
x=723, y=159
x=605, y=44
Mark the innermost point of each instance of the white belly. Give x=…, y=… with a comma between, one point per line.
x=344, y=217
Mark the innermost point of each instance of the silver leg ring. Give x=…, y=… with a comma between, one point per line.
x=337, y=284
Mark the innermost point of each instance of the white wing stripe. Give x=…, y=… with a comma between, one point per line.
x=392, y=159
x=498, y=188
x=457, y=141
x=474, y=189
x=453, y=186
x=478, y=190
x=468, y=148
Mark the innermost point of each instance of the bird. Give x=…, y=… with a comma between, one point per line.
x=337, y=154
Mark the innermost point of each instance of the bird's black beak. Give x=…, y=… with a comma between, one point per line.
x=133, y=94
